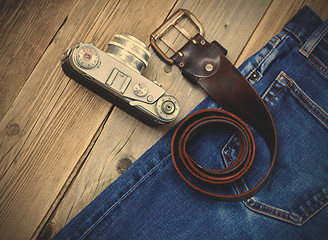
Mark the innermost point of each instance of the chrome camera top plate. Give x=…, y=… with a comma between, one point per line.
x=115, y=75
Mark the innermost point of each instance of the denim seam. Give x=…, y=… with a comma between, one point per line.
x=229, y=152
x=294, y=33
x=307, y=106
x=318, y=67
x=325, y=40
x=273, y=210
x=300, y=220
x=270, y=89
x=320, y=62
x=279, y=40
x=307, y=98
x=315, y=65
x=319, y=39
x=267, y=207
x=261, y=61
x=271, y=40
x=276, y=95
x=227, y=146
x=131, y=190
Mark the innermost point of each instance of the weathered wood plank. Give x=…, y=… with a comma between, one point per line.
x=26, y=29
x=52, y=126
x=56, y=118
x=47, y=138
x=123, y=138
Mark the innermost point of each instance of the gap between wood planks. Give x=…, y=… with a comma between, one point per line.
x=40, y=231
x=18, y=40
x=70, y=180
x=37, y=118
x=27, y=77
x=250, y=37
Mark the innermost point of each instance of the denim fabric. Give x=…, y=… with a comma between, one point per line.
x=151, y=201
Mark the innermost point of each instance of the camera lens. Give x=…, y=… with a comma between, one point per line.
x=129, y=50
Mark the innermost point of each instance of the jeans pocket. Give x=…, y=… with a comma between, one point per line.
x=298, y=186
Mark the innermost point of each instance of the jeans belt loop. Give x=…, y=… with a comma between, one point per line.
x=314, y=39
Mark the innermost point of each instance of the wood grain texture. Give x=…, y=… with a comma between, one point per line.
x=123, y=138
x=61, y=144
x=53, y=131
x=56, y=119
x=26, y=30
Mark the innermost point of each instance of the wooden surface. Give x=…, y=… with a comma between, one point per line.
x=60, y=144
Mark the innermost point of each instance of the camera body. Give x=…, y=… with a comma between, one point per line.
x=115, y=75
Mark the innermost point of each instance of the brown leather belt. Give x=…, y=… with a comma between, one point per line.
x=205, y=63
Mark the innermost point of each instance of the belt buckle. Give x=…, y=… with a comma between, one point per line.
x=169, y=23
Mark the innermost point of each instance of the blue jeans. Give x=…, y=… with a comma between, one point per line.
x=151, y=201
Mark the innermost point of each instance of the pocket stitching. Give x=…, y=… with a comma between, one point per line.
x=276, y=93
x=300, y=220
x=289, y=217
x=306, y=97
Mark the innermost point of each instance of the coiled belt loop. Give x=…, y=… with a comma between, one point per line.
x=205, y=63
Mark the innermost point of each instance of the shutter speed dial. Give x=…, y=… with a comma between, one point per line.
x=87, y=57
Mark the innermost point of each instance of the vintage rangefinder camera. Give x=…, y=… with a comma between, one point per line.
x=115, y=75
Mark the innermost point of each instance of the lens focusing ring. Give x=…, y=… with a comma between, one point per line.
x=129, y=50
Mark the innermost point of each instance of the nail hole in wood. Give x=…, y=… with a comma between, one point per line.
x=168, y=68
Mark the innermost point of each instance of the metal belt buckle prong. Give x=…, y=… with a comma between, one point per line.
x=169, y=23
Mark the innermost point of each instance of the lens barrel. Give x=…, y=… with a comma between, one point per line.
x=129, y=50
